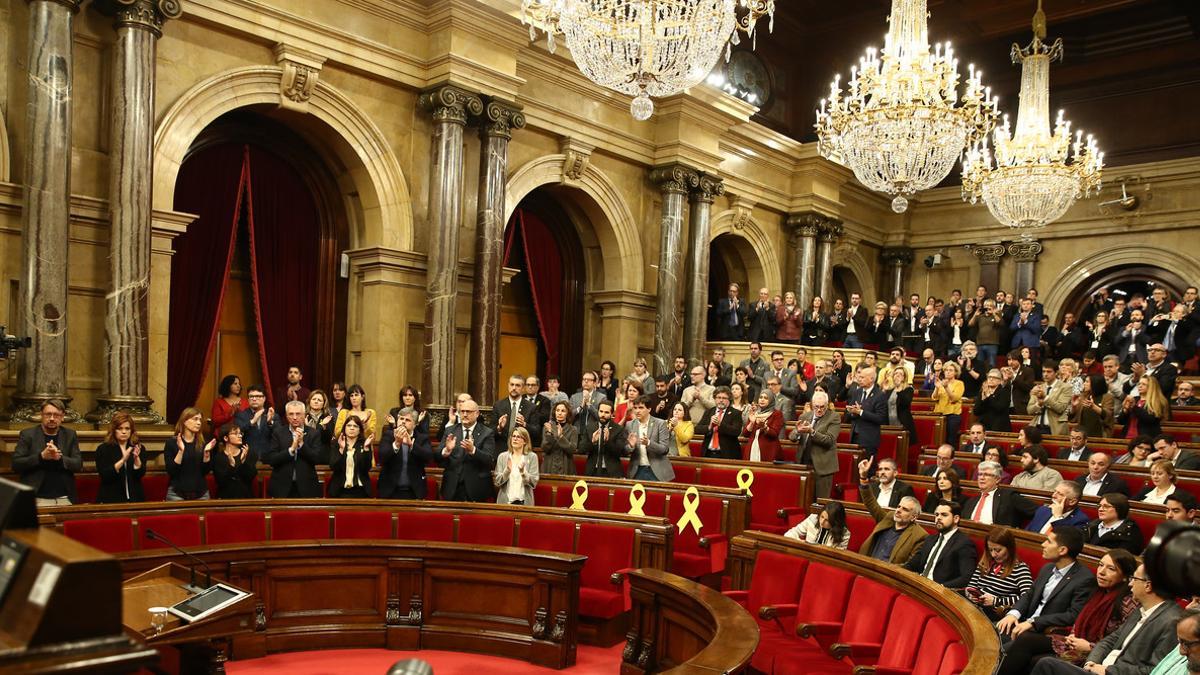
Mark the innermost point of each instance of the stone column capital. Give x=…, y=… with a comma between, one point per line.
x=452, y=104
x=988, y=254
x=899, y=256
x=831, y=230
x=676, y=178
x=148, y=15
x=72, y=5
x=1025, y=251
x=806, y=224
x=708, y=187
x=500, y=119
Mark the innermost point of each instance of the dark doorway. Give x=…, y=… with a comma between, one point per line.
x=1124, y=281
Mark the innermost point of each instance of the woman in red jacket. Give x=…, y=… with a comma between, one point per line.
x=228, y=403
x=763, y=430
x=789, y=319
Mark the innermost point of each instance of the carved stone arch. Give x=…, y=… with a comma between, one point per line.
x=770, y=276
x=5, y=157
x=1059, y=290
x=382, y=215
x=615, y=232
x=847, y=255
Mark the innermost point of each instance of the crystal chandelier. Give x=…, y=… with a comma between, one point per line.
x=646, y=48
x=1033, y=176
x=900, y=125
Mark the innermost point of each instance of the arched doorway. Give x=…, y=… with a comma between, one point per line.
x=1124, y=281
x=732, y=260
x=845, y=282
x=541, y=323
x=254, y=281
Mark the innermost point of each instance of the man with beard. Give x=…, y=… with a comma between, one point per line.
x=604, y=442
x=948, y=557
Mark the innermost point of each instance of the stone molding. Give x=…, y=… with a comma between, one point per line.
x=1025, y=251
x=676, y=178
x=448, y=103
x=500, y=119
x=149, y=15
x=708, y=187
x=988, y=254
x=301, y=70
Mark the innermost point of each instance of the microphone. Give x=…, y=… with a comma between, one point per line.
x=195, y=559
x=411, y=667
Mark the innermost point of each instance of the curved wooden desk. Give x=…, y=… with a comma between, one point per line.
x=680, y=626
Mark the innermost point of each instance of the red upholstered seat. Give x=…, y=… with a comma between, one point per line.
x=683, y=474
x=182, y=529
x=87, y=488
x=580, y=465
x=773, y=491
x=689, y=559
x=861, y=525
x=954, y=660
x=286, y=525
x=234, y=527
x=487, y=530
x=543, y=494
x=362, y=525
x=432, y=490
x=776, y=583
x=609, y=550
x=211, y=481
x=154, y=486
x=597, y=499
x=426, y=526
x=866, y=615
x=919, y=491
x=823, y=597
x=906, y=631
x=547, y=535
x=931, y=651
x=1031, y=557
x=111, y=535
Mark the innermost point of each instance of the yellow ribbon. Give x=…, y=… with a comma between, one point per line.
x=637, y=498
x=745, y=479
x=579, y=495
x=691, y=502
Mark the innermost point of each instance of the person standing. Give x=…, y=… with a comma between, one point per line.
x=731, y=316
x=604, y=443
x=762, y=318
x=47, y=457
x=294, y=390
x=512, y=412
x=560, y=442
x=351, y=461
x=649, y=444
x=816, y=440
x=121, y=462
x=403, y=453
x=294, y=454
x=234, y=465
x=228, y=402
x=188, y=458
x=516, y=472
x=722, y=425
x=468, y=456
x=256, y=421
x=585, y=403
x=866, y=406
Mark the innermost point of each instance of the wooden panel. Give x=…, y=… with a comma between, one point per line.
x=518, y=354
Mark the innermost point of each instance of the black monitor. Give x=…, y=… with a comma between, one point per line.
x=18, y=506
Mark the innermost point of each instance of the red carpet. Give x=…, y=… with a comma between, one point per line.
x=589, y=661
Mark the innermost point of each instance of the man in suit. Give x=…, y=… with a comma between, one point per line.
x=977, y=442
x=896, y=536
x=1172, y=331
x=1098, y=480
x=789, y=386
x=1156, y=366
x=721, y=427
x=948, y=557
x=1050, y=401
x=1185, y=395
x=1063, y=509
x=678, y=377
x=1026, y=328
x=888, y=489
x=256, y=421
x=294, y=455
x=866, y=406
x=911, y=335
x=467, y=458
x=1141, y=642
x=47, y=457
x=511, y=412
x=1165, y=447
x=698, y=398
x=585, y=402
x=762, y=318
x=603, y=442
x=757, y=365
x=816, y=439
x=1113, y=528
x=856, y=322
x=944, y=459
x=661, y=399
x=539, y=410
x=786, y=405
x=1078, y=450
x=649, y=443
x=1133, y=341
x=996, y=504
x=1020, y=377
x=724, y=367
x=731, y=316
x=403, y=455
x=1060, y=591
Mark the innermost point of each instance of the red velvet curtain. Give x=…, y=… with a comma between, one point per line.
x=284, y=256
x=545, y=277
x=209, y=185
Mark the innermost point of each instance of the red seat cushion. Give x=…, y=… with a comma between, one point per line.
x=776, y=581
x=431, y=488
x=543, y=494
x=547, y=535
x=954, y=660
x=182, y=529
x=773, y=491
x=609, y=549
x=362, y=525
x=154, y=486
x=861, y=526
x=87, y=488
x=286, y=525
x=936, y=637
x=111, y=535
x=601, y=603
x=824, y=594
x=487, y=530
x=906, y=626
x=234, y=527
x=689, y=559
x=432, y=526
x=868, y=608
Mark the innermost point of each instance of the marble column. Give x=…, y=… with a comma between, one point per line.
x=449, y=107
x=989, y=256
x=1025, y=253
x=46, y=218
x=675, y=181
x=805, y=227
x=896, y=258
x=695, y=309
x=831, y=230
x=138, y=24
x=495, y=130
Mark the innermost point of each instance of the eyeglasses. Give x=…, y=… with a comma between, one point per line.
x=1144, y=580
x=1188, y=644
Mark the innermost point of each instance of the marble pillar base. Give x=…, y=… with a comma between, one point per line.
x=28, y=408
x=140, y=409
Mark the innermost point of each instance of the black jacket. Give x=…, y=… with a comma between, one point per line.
x=1065, y=601
x=607, y=453
x=955, y=563
x=727, y=433
x=504, y=407
x=1008, y=508
x=992, y=411
x=474, y=471
x=1127, y=536
x=865, y=427
x=113, y=481
x=762, y=323
x=235, y=481
x=362, y=469
x=390, y=464
x=28, y=463
x=1111, y=483
x=302, y=468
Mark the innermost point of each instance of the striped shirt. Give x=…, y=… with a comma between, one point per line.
x=1006, y=589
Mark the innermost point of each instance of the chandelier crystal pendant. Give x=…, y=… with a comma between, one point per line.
x=900, y=125
x=646, y=48
x=1033, y=176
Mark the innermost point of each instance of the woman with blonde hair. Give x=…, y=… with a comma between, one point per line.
x=1162, y=483
x=516, y=472
x=121, y=462
x=1144, y=414
x=188, y=459
x=947, y=400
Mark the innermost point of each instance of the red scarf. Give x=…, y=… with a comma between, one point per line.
x=1095, y=615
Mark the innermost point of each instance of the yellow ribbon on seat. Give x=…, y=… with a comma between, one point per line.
x=637, y=499
x=579, y=495
x=745, y=479
x=691, y=502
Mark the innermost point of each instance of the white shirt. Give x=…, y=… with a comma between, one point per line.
x=1077, y=455
x=885, y=494
x=988, y=499
x=1102, y=529
x=936, y=552
x=1092, y=487
x=1116, y=653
